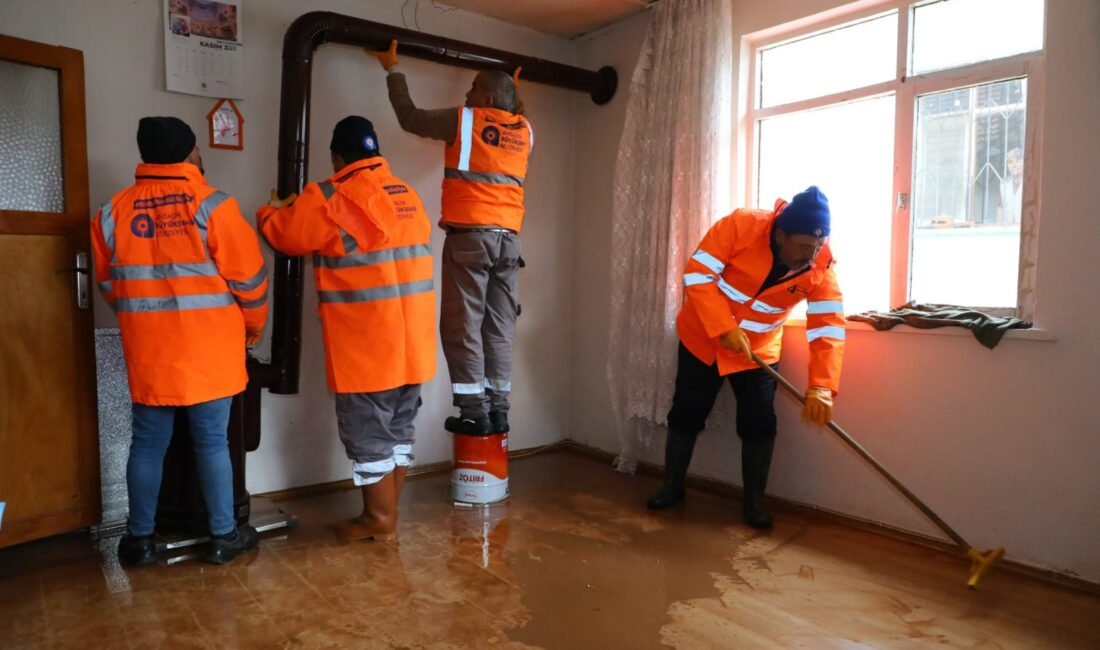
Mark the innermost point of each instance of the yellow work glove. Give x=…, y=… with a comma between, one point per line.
x=737, y=340
x=387, y=58
x=819, y=406
x=252, y=337
x=515, y=76
x=278, y=203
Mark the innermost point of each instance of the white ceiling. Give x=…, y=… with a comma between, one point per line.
x=568, y=18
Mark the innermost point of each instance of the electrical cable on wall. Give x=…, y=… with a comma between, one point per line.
x=441, y=8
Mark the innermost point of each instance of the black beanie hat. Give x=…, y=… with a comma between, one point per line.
x=354, y=138
x=164, y=140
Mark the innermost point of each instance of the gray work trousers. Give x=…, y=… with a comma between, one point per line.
x=478, y=317
x=377, y=430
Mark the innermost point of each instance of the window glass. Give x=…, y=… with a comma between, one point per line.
x=968, y=171
x=951, y=33
x=852, y=56
x=847, y=150
x=30, y=139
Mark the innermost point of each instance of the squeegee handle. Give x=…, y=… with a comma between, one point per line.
x=870, y=459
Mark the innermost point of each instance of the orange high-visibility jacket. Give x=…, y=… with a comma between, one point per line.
x=484, y=169
x=372, y=265
x=721, y=285
x=183, y=270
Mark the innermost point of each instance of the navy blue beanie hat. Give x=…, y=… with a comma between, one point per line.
x=354, y=138
x=806, y=214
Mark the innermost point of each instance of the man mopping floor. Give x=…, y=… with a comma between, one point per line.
x=751, y=269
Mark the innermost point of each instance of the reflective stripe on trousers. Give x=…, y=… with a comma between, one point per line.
x=377, y=430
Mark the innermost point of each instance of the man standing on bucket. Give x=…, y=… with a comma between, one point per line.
x=485, y=162
x=372, y=264
x=740, y=285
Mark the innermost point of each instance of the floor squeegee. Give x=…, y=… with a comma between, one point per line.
x=980, y=562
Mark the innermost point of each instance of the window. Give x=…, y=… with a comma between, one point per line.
x=917, y=122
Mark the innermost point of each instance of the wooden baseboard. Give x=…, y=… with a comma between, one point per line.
x=20, y=531
x=814, y=513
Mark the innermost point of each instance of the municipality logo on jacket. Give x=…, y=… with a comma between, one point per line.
x=491, y=135
x=142, y=226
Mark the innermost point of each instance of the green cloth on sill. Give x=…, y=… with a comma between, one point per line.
x=987, y=329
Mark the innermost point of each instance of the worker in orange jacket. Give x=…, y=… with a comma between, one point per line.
x=372, y=263
x=485, y=164
x=183, y=271
x=740, y=285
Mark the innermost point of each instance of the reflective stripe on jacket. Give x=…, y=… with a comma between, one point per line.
x=183, y=270
x=485, y=168
x=722, y=283
x=372, y=264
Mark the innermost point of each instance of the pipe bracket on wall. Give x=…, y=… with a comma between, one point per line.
x=303, y=37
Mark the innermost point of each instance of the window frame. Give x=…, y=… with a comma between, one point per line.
x=906, y=89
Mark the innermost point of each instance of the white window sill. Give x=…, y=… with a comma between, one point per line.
x=1032, y=334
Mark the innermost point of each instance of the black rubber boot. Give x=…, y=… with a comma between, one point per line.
x=220, y=550
x=678, y=448
x=756, y=459
x=479, y=426
x=499, y=420
x=137, y=551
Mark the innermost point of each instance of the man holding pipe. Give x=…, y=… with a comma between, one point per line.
x=372, y=264
x=488, y=142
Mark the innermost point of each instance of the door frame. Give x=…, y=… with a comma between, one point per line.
x=73, y=223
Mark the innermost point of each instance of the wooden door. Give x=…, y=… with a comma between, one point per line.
x=49, y=448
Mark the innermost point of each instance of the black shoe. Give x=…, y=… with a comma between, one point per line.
x=480, y=426
x=756, y=459
x=221, y=550
x=137, y=551
x=499, y=421
x=678, y=450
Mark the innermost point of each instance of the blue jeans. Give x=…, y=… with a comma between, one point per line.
x=152, y=433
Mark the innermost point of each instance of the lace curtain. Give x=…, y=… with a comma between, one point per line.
x=671, y=181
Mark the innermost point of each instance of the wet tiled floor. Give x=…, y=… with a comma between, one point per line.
x=572, y=561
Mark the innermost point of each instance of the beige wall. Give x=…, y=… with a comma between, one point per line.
x=1004, y=444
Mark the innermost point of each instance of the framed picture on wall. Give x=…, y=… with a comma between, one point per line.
x=226, y=125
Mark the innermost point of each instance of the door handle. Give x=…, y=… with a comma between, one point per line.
x=81, y=269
